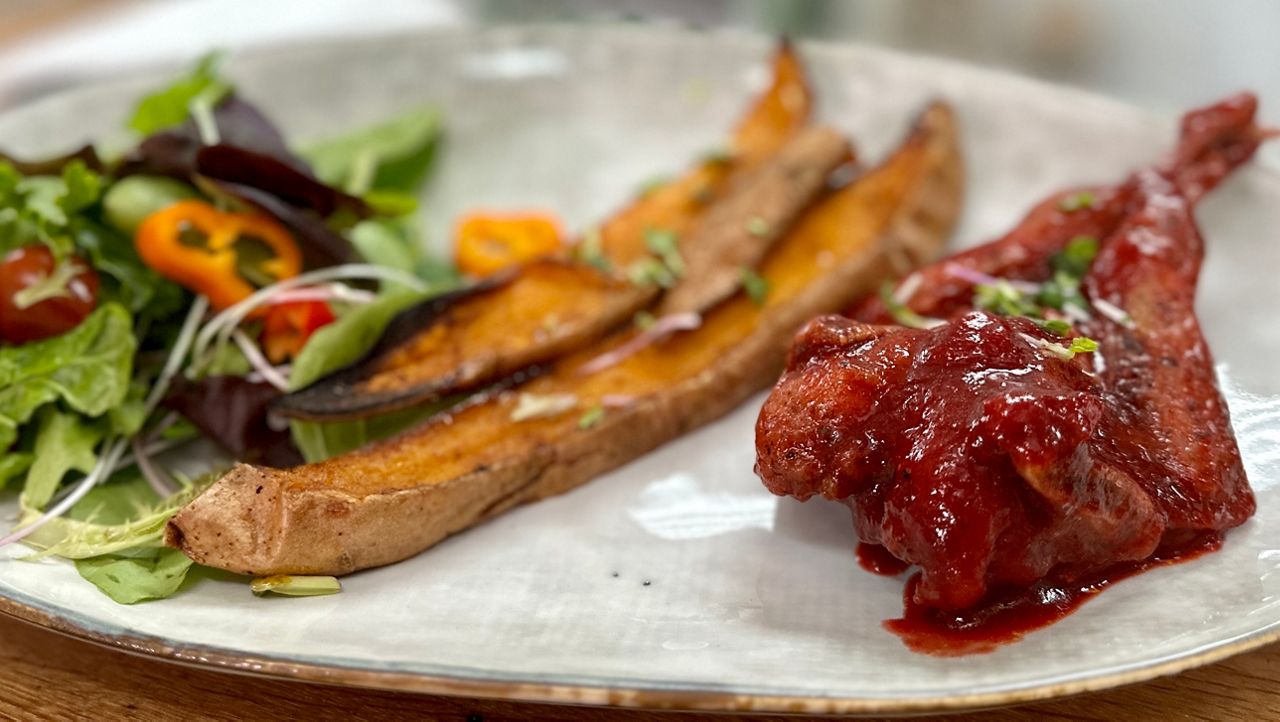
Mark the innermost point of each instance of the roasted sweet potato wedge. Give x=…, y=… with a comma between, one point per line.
x=460, y=341
x=396, y=498
x=549, y=308
x=736, y=233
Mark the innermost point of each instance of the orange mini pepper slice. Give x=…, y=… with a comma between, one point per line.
x=489, y=242
x=193, y=244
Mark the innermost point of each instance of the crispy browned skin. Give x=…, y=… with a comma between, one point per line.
x=737, y=232
x=396, y=498
x=547, y=309
x=469, y=340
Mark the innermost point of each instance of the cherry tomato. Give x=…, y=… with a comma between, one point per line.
x=62, y=297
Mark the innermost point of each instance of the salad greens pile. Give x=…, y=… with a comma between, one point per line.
x=168, y=296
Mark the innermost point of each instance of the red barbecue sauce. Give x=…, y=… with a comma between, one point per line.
x=877, y=560
x=1008, y=614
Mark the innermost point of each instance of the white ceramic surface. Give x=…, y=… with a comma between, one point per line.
x=680, y=573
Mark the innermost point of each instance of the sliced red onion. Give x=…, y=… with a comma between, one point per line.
x=978, y=278
x=333, y=292
x=661, y=329
x=150, y=472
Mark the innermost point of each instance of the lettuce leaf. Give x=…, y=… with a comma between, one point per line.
x=393, y=155
x=138, y=575
x=336, y=346
x=88, y=369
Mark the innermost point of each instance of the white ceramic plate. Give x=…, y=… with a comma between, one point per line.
x=678, y=580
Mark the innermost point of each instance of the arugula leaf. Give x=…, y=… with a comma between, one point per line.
x=121, y=515
x=393, y=155
x=88, y=368
x=64, y=442
x=337, y=346
x=169, y=106
x=137, y=576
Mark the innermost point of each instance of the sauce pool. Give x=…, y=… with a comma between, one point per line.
x=877, y=560
x=1007, y=615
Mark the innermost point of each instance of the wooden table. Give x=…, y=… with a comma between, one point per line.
x=43, y=674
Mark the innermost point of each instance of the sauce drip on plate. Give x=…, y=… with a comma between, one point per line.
x=1009, y=613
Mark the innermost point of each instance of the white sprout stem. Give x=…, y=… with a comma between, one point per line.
x=1113, y=312
x=201, y=110
x=258, y=361
x=150, y=472
x=153, y=448
x=907, y=289
x=180, y=348
x=231, y=317
x=331, y=292
x=283, y=369
x=114, y=449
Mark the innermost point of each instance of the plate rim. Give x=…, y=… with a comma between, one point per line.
x=624, y=695
x=621, y=693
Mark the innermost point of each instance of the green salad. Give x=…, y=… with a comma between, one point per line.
x=168, y=296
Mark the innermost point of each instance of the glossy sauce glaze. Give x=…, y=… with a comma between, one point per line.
x=1006, y=615
x=878, y=560
x=1019, y=478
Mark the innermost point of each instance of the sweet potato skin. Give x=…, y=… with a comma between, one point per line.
x=394, y=499
x=483, y=336
x=524, y=320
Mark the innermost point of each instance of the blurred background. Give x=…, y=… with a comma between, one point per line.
x=1163, y=54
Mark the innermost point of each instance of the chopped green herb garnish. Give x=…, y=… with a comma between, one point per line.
x=666, y=246
x=1003, y=299
x=756, y=287
x=1076, y=257
x=1077, y=201
x=650, y=272
x=718, y=155
x=591, y=253
x=1083, y=344
x=901, y=313
x=653, y=184
x=591, y=417
x=704, y=194
x=1080, y=344
x=757, y=227
x=644, y=320
x=1055, y=326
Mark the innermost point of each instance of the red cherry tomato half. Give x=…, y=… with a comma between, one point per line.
x=55, y=301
